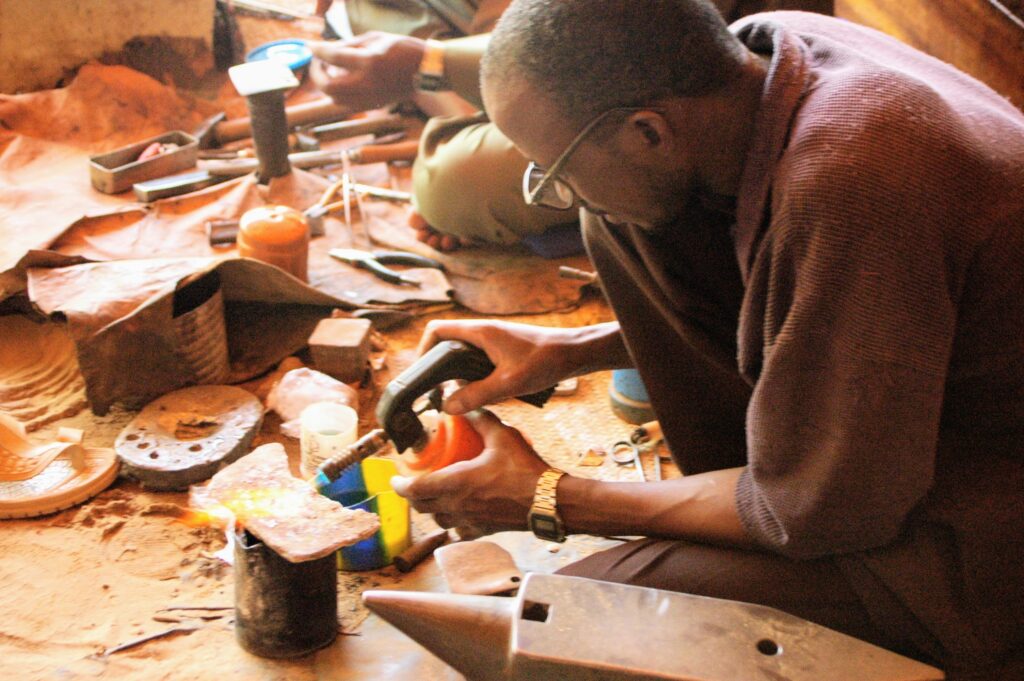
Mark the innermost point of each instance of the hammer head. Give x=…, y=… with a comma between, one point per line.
x=260, y=77
x=206, y=133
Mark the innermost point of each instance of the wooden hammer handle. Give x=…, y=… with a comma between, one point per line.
x=317, y=111
x=382, y=153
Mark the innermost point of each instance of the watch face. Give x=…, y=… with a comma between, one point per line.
x=544, y=525
x=547, y=527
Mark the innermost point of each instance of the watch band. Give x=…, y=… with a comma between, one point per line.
x=544, y=520
x=430, y=76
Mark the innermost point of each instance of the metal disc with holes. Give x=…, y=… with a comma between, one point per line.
x=186, y=436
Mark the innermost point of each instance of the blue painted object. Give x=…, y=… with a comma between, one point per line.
x=629, y=398
x=559, y=241
x=291, y=52
x=367, y=487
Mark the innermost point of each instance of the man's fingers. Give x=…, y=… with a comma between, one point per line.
x=349, y=57
x=429, y=486
x=335, y=82
x=475, y=395
x=486, y=423
x=439, y=331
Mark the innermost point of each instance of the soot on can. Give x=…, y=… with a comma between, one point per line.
x=283, y=609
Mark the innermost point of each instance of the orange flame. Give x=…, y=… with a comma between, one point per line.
x=245, y=504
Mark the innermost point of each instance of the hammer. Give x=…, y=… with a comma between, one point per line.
x=263, y=84
x=216, y=131
x=369, y=153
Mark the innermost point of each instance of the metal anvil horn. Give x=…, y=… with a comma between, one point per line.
x=562, y=627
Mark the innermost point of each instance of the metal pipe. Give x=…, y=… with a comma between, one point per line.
x=283, y=609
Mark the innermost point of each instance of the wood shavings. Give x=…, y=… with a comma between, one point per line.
x=594, y=456
x=149, y=637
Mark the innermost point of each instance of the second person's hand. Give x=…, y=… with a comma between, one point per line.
x=369, y=71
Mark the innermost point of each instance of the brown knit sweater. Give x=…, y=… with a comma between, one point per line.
x=879, y=398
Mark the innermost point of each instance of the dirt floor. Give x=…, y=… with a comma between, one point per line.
x=77, y=585
x=121, y=588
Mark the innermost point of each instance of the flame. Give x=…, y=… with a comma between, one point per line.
x=243, y=505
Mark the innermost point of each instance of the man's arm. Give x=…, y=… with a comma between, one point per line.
x=697, y=507
x=494, y=492
x=375, y=69
x=462, y=66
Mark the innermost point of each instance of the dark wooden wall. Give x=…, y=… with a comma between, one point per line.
x=985, y=38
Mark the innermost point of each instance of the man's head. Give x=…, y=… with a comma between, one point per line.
x=637, y=67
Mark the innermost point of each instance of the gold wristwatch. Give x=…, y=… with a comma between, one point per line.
x=430, y=77
x=544, y=519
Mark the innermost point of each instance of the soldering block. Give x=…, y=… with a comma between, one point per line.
x=341, y=348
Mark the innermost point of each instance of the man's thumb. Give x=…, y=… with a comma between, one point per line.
x=471, y=396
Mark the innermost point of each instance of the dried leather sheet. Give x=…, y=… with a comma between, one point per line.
x=45, y=149
x=120, y=315
x=177, y=227
x=39, y=378
x=44, y=188
x=103, y=108
x=488, y=279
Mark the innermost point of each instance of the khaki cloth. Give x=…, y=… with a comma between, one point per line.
x=851, y=332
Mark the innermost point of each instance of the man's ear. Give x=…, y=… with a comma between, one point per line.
x=650, y=132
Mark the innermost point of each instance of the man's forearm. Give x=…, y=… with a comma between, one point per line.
x=698, y=508
x=462, y=66
x=598, y=348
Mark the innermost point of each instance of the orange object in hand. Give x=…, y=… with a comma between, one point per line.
x=277, y=235
x=455, y=440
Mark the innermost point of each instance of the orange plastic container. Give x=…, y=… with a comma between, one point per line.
x=277, y=235
x=454, y=440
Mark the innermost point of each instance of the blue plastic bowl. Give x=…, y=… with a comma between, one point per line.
x=291, y=52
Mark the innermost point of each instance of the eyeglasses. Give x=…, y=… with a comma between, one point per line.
x=543, y=188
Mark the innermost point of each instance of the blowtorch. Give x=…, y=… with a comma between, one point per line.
x=396, y=411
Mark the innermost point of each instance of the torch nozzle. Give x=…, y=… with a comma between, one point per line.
x=331, y=469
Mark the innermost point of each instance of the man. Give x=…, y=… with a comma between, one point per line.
x=466, y=181
x=813, y=240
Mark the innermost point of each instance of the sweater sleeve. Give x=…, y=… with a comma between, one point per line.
x=849, y=321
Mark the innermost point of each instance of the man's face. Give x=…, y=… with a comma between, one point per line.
x=622, y=186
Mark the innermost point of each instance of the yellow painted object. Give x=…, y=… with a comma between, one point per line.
x=368, y=487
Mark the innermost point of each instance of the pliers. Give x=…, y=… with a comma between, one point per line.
x=374, y=262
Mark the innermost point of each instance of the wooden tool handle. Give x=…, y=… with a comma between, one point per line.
x=414, y=555
x=369, y=125
x=383, y=153
x=317, y=111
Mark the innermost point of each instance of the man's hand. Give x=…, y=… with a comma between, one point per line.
x=526, y=358
x=491, y=492
x=371, y=70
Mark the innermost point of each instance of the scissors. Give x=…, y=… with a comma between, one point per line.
x=375, y=262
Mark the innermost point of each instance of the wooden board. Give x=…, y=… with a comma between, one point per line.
x=985, y=38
